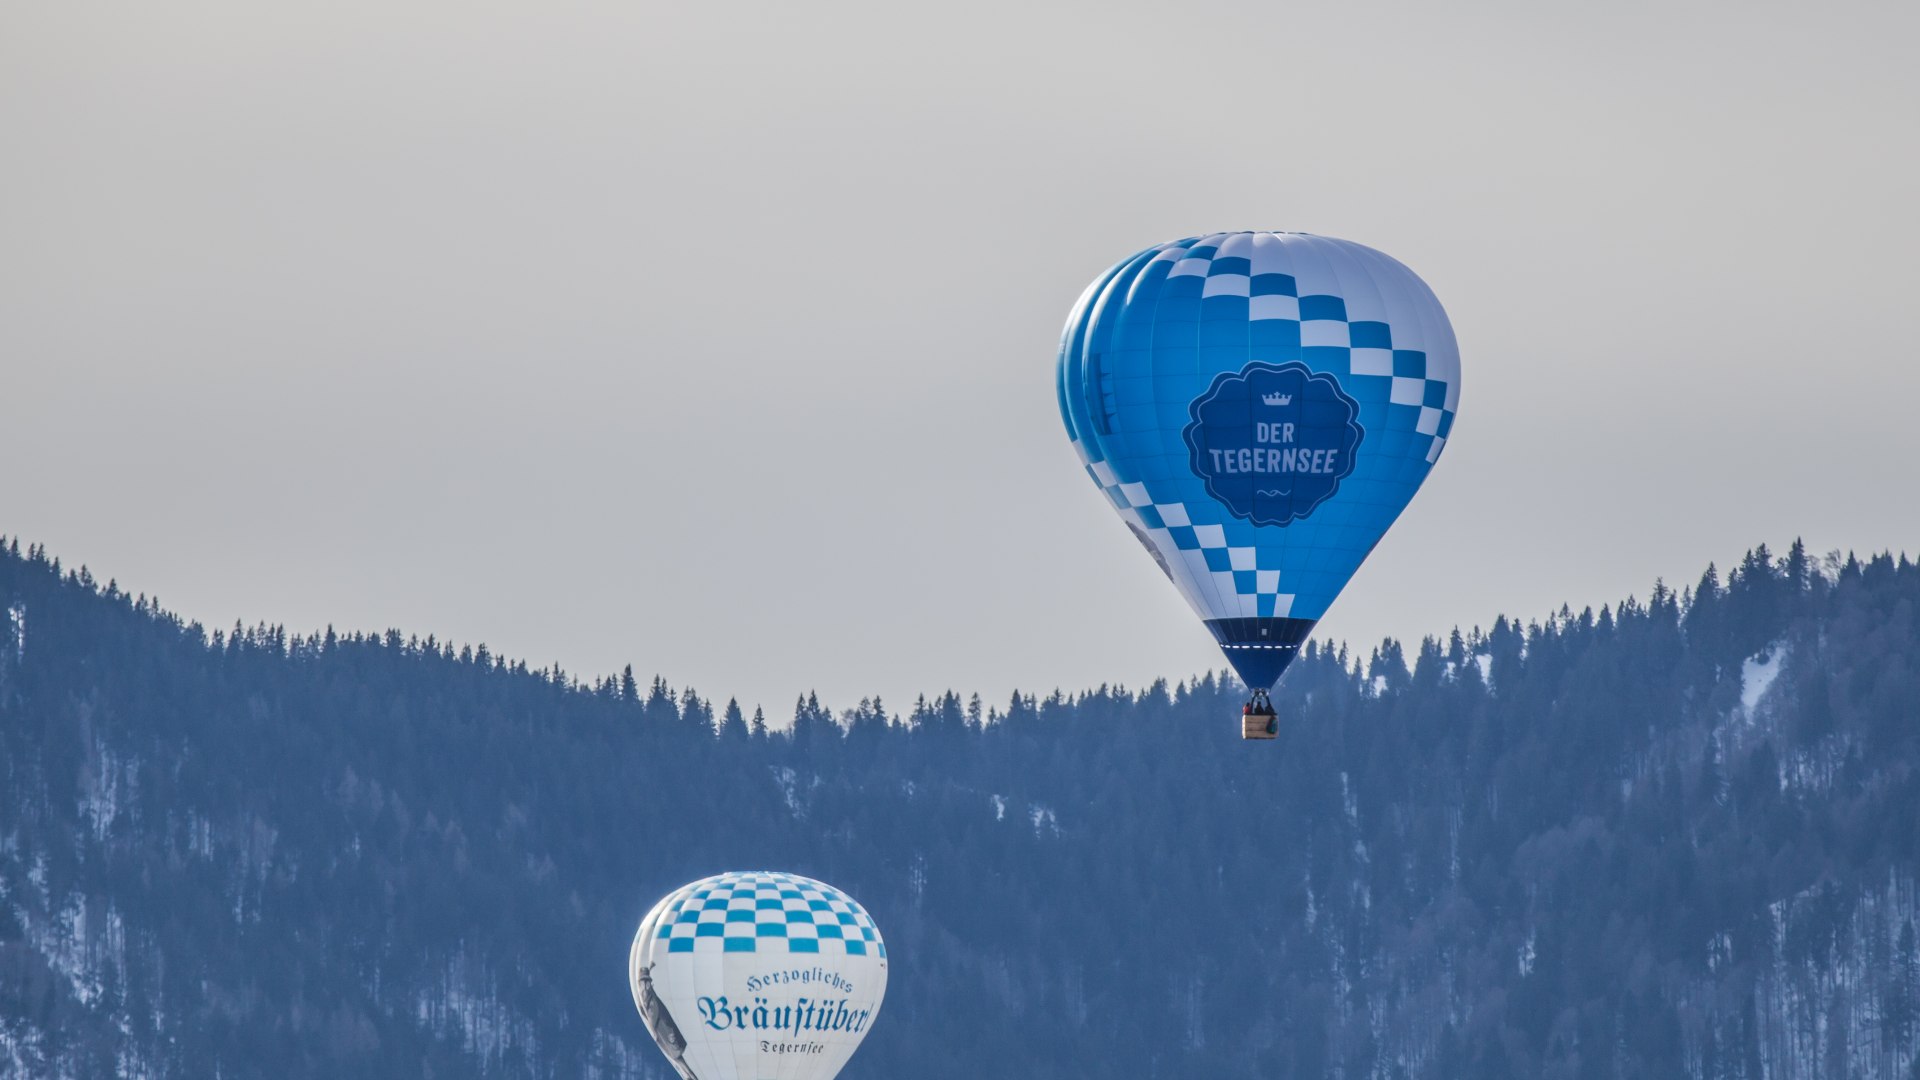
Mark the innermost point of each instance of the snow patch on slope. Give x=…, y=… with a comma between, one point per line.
x=86, y=945
x=1757, y=674
x=1044, y=820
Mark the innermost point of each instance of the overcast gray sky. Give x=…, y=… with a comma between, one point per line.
x=719, y=339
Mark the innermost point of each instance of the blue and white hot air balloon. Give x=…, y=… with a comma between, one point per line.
x=758, y=976
x=1259, y=407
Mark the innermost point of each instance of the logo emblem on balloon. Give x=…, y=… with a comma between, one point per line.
x=1273, y=441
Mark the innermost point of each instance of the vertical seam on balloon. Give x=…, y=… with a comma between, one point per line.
x=1360, y=256
x=1325, y=249
x=1246, y=358
x=1073, y=360
x=1202, y=580
x=1176, y=561
x=1075, y=318
x=1287, y=242
x=1121, y=280
x=1080, y=352
x=1149, y=318
x=1427, y=307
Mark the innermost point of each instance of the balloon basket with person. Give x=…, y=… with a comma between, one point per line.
x=1257, y=719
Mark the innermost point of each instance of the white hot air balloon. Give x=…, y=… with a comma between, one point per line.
x=758, y=976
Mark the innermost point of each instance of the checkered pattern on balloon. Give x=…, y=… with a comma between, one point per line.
x=766, y=912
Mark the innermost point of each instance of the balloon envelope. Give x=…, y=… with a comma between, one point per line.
x=1259, y=407
x=758, y=976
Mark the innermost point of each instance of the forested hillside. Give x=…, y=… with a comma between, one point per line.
x=1673, y=837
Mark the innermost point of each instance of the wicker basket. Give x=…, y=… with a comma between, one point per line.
x=1259, y=726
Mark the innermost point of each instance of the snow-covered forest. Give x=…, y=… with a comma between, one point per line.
x=1678, y=835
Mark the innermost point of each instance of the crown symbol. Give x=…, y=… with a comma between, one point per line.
x=1277, y=398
